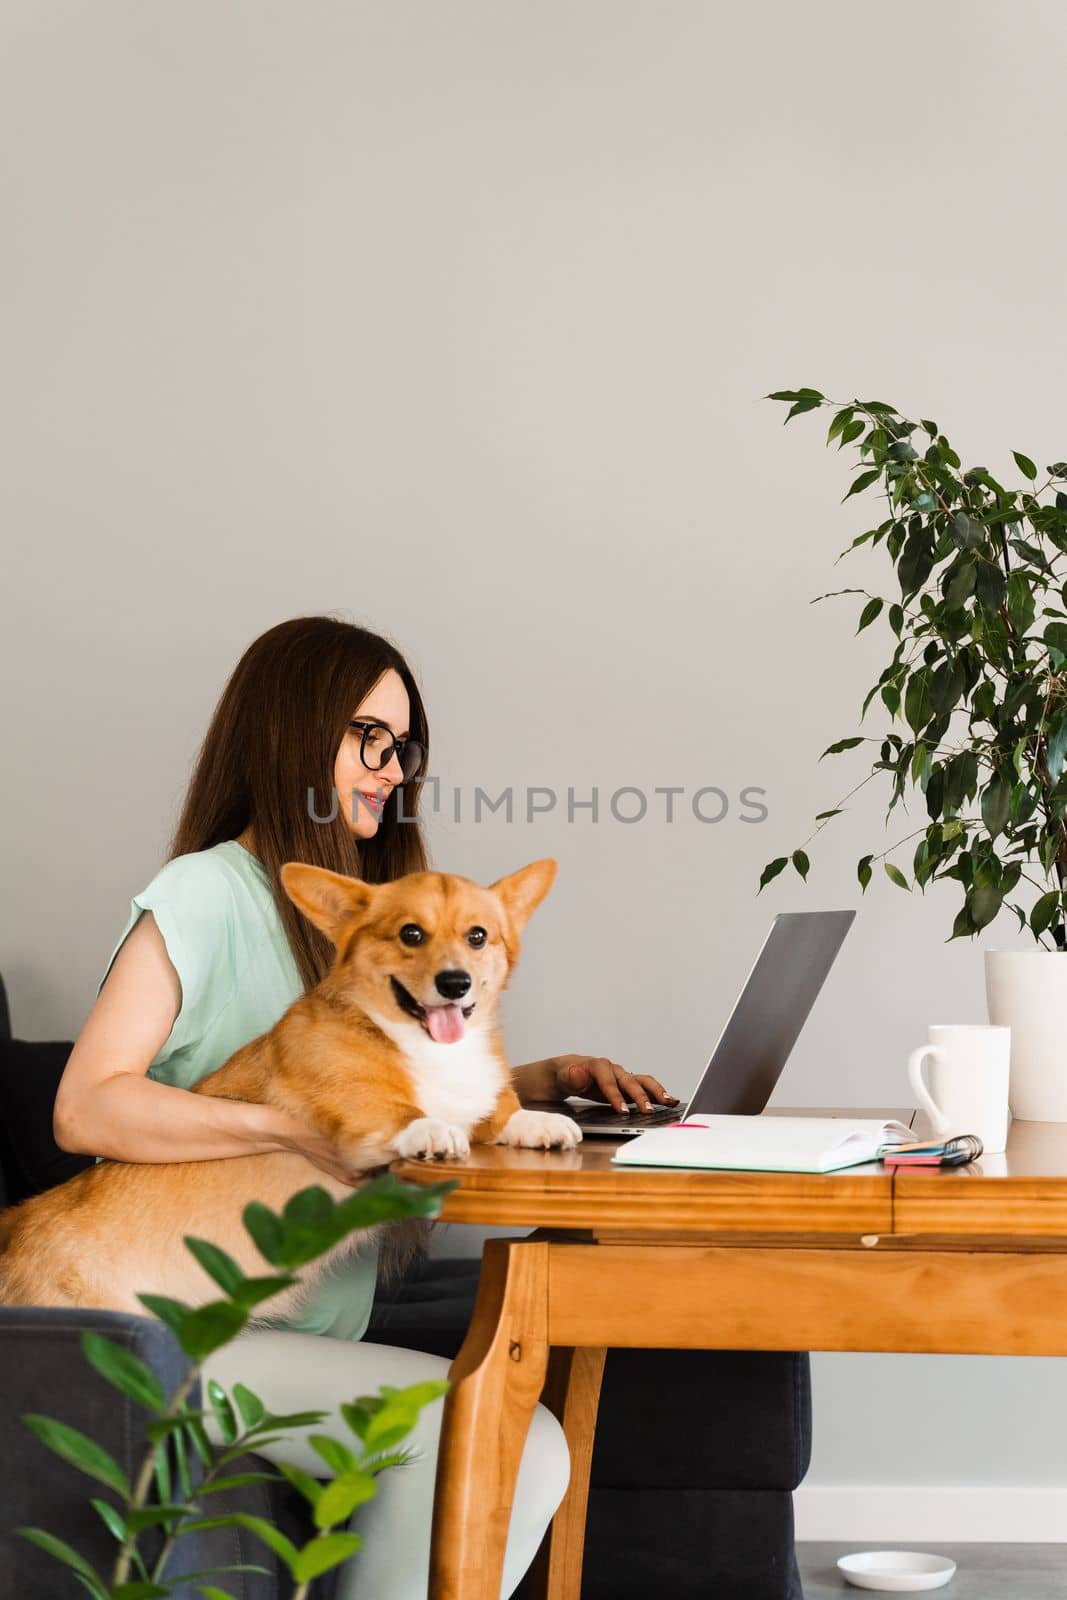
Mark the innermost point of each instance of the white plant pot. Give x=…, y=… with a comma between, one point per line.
x=1027, y=991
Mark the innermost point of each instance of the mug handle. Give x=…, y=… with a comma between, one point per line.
x=922, y=1093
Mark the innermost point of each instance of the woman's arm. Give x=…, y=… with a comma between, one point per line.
x=107, y=1106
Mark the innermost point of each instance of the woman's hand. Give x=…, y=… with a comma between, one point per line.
x=597, y=1078
x=293, y=1133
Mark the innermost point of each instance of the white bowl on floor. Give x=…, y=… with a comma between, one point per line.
x=901, y=1571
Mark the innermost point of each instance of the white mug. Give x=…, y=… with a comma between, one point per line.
x=968, y=1067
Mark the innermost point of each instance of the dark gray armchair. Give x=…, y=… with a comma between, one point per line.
x=45, y=1371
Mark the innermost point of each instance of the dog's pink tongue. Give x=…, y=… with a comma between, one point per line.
x=445, y=1023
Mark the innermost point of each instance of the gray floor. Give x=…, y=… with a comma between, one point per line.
x=983, y=1571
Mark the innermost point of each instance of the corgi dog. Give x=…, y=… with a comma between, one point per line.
x=395, y=1054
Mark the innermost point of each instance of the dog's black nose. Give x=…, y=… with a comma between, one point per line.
x=453, y=985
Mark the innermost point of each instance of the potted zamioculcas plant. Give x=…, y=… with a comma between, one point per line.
x=976, y=697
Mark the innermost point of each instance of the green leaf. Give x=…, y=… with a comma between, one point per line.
x=266, y=1230
x=111, y=1516
x=224, y=1412
x=960, y=586
x=820, y=816
x=264, y=1530
x=66, y=1553
x=216, y=1263
x=308, y=1486
x=164, y=1425
x=254, y=1290
x=162, y=1475
x=241, y=1450
x=771, y=869
x=983, y=903
x=842, y=744
x=917, y=700
x=340, y=1498
x=195, y=1430
x=237, y=1481
x=1025, y=465
x=181, y=1456
x=327, y=1551
x=802, y=405
x=81, y=1451
x=172, y=1312
x=996, y=804
x=863, y=870
x=212, y=1593
x=869, y=612
x=1020, y=602
x=850, y=434
x=801, y=862
x=248, y=1404
x=864, y=481
x=895, y=875
x=840, y=423
x=123, y=1370
x=308, y=1209
x=1056, y=636
x=1044, y=911
x=151, y=1516
x=990, y=585
x=209, y=1327
x=967, y=533
x=338, y=1457
x=1057, y=744
x=399, y=1408
x=796, y=394
x=359, y=1416
x=290, y=1243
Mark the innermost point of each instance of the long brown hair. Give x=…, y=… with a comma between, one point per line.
x=268, y=759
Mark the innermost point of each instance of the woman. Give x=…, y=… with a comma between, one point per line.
x=213, y=954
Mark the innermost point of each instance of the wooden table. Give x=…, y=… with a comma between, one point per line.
x=966, y=1261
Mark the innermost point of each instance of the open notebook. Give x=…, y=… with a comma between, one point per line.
x=768, y=1144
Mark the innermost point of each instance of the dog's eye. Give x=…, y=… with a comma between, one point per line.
x=411, y=933
x=477, y=937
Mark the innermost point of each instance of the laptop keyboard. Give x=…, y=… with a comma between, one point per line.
x=633, y=1119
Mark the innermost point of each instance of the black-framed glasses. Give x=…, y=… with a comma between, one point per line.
x=378, y=744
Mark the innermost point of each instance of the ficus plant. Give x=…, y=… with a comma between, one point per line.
x=181, y=1468
x=976, y=689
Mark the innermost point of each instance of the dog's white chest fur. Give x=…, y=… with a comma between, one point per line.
x=455, y=1083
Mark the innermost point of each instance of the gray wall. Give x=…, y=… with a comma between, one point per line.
x=456, y=319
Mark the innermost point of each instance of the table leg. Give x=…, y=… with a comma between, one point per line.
x=572, y=1394
x=496, y=1380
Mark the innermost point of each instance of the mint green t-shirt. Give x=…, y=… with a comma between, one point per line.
x=217, y=916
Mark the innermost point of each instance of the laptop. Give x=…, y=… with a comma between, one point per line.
x=761, y=1030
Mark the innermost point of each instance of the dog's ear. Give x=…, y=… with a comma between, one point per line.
x=523, y=891
x=332, y=901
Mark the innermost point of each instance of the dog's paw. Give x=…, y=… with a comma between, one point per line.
x=540, y=1130
x=427, y=1139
